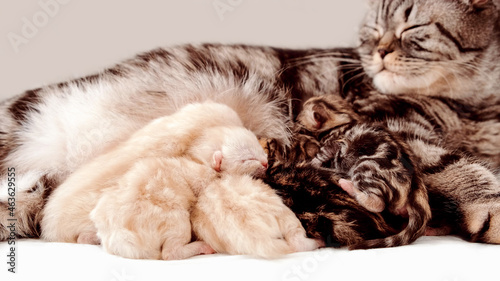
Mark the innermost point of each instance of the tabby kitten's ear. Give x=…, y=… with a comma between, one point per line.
x=217, y=161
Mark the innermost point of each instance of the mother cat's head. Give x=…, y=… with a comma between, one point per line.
x=433, y=47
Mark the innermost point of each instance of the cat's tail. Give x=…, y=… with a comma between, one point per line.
x=419, y=214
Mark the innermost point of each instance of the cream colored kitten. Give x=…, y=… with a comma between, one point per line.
x=66, y=214
x=147, y=213
x=237, y=214
x=142, y=211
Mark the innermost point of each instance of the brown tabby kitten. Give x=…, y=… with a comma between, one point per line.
x=326, y=211
x=376, y=167
x=450, y=176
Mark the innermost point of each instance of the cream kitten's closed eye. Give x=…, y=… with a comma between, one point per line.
x=245, y=158
x=233, y=150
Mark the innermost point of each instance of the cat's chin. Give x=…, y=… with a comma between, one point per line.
x=389, y=82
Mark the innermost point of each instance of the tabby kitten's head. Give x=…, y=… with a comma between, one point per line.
x=432, y=47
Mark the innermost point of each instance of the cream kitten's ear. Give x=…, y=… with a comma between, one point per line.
x=217, y=160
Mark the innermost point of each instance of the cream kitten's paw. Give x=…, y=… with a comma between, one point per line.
x=187, y=251
x=88, y=238
x=304, y=244
x=369, y=201
x=300, y=243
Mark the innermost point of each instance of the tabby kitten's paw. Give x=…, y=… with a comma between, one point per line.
x=369, y=201
x=441, y=231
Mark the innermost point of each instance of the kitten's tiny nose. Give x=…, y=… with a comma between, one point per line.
x=264, y=164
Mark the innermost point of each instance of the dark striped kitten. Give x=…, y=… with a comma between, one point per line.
x=452, y=178
x=375, y=165
x=326, y=211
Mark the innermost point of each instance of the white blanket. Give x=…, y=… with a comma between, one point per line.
x=429, y=258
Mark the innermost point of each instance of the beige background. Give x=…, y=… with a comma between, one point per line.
x=48, y=41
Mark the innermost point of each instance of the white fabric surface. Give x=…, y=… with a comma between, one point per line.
x=429, y=258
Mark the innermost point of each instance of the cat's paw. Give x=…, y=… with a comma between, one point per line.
x=187, y=251
x=347, y=186
x=304, y=244
x=375, y=103
x=369, y=201
x=88, y=238
x=441, y=231
x=206, y=249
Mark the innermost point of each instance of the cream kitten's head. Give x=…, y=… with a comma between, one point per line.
x=320, y=114
x=231, y=149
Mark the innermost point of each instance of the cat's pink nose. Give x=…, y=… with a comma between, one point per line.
x=264, y=164
x=383, y=52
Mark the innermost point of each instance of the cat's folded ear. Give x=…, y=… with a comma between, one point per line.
x=480, y=4
x=217, y=160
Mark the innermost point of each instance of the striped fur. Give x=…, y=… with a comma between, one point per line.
x=446, y=48
x=325, y=210
x=379, y=165
x=369, y=156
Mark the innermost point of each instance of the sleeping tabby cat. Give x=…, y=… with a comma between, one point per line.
x=448, y=62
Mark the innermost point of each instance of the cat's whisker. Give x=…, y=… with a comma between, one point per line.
x=354, y=77
x=339, y=55
x=319, y=59
x=473, y=68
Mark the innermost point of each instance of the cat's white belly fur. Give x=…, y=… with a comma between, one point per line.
x=67, y=132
